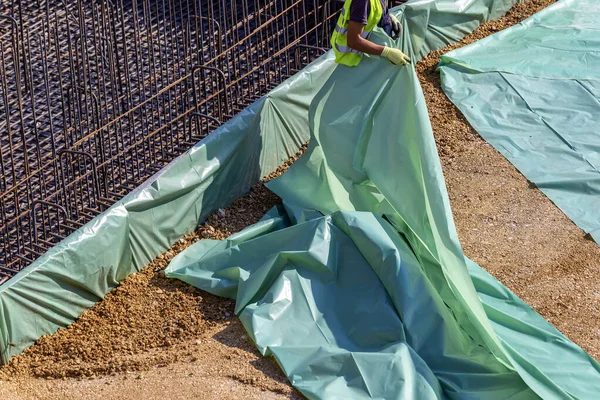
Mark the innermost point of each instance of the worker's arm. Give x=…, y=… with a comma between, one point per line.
x=357, y=42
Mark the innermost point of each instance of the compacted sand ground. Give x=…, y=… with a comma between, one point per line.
x=156, y=338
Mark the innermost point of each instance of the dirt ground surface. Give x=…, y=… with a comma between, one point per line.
x=156, y=338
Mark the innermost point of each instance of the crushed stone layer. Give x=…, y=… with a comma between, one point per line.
x=506, y=224
x=152, y=336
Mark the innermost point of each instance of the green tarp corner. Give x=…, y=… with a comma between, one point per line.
x=367, y=293
x=533, y=92
x=344, y=305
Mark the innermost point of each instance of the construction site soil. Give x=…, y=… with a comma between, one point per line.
x=157, y=338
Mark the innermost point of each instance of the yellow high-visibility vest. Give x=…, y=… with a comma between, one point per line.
x=339, y=40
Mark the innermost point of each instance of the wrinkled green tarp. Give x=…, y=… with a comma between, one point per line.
x=72, y=276
x=343, y=305
x=347, y=309
x=377, y=300
x=533, y=92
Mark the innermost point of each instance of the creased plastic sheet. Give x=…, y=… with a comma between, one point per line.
x=533, y=92
x=343, y=305
x=346, y=308
x=367, y=294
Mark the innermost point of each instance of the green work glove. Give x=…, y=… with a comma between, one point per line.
x=395, y=56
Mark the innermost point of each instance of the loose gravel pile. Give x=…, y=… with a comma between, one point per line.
x=504, y=224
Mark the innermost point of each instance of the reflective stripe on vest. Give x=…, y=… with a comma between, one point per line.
x=346, y=49
x=344, y=31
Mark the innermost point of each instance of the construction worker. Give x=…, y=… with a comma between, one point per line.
x=350, y=39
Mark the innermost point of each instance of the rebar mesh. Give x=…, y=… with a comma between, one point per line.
x=96, y=96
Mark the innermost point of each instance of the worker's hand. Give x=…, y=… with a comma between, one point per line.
x=396, y=27
x=395, y=56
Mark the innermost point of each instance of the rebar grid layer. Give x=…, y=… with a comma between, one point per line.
x=96, y=96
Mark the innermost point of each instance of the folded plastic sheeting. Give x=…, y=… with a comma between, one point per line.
x=367, y=293
x=346, y=309
x=533, y=92
x=54, y=290
x=344, y=305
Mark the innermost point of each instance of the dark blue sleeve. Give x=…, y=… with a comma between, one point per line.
x=359, y=11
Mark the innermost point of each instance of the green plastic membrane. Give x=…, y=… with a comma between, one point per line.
x=533, y=92
x=384, y=305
